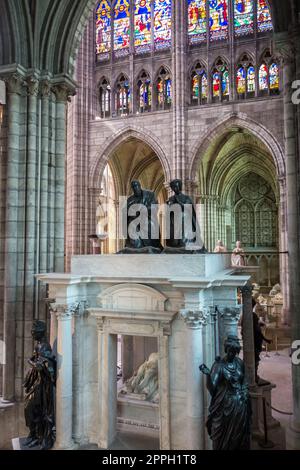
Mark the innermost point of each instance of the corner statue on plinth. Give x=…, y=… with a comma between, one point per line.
x=229, y=419
x=143, y=234
x=40, y=391
x=183, y=232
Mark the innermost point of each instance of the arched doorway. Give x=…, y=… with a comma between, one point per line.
x=240, y=197
x=131, y=160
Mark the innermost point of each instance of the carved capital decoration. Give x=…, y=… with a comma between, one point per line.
x=14, y=84
x=165, y=328
x=229, y=314
x=63, y=93
x=194, y=319
x=45, y=89
x=100, y=324
x=32, y=86
x=64, y=312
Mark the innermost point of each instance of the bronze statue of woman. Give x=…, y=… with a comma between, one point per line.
x=229, y=417
x=40, y=391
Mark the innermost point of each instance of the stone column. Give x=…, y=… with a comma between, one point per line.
x=195, y=320
x=107, y=386
x=179, y=91
x=229, y=324
x=248, y=336
x=64, y=384
x=164, y=386
x=290, y=51
x=62, y=93
x=14, y=88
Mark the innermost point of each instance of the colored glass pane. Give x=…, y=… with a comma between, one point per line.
x=251, y=79
x=162, y=23
x=103, y=28
x=196, y=21
x=122, y=26
x=264, y=20
x=142, y=26
x=145, y=94
x=216, y=84
x=225, y=83
x=241, y=81
x=204, y=86
x=243, y=17
x=195, y=87
x=168, y=90
x=160, y=92
x=218, y=19
x=274, y=77
x=263, y=77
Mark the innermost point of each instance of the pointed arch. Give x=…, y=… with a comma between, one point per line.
x=241, y=121
x=111, y=144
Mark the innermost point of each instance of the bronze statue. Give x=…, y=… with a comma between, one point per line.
x=229, y=417
x=40, y=391
x=184, y=232
x=143, y=234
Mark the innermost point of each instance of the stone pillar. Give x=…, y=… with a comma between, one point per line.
x=64, y=384
x=62, y=93
x=248, y=336
x=164, y=386
x=195, y=320
x=290, y=51
x=229, y=324
x=179, y=91
x=107, y=386
x=14, y=88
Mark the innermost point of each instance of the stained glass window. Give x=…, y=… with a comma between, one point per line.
x=142, y=26
x=263, y=78
x=243, y=17
x=274, y=77
x=218, y=19
x=264, y=20
x=103, y=30
x=225, y=84
x=216, y=85
x=251, y=79
x=195, y=88
x=122, y=27
x=196, y=21
x=104, y=95
x=144, y=92
x=241, y=81
x=162, y=23
x=122, y=97
x=164, y=90
x=204, y=86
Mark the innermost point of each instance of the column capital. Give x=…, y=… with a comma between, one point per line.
x=65, y=312
x=62, y=92
x=230, y=313
x=14, y=83
x=100, y=324
x=45, y=89
x=165, y=328
x=194, y=319
x=32, y=86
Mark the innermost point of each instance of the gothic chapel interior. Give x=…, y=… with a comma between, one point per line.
x=94, y=95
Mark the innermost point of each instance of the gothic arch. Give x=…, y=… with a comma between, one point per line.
x=118, y=138
x=237, y=120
